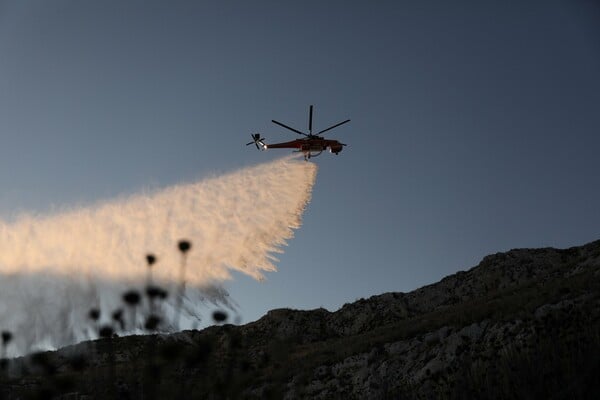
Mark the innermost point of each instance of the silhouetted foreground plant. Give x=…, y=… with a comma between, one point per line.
x=150, y=259
x=133, y=301
x=131, y=298
x=99, y=362
x=219, y=316
x=94, y=314
x=184, y=246
x=156, y=293
x=152, y=322
x=6, y=339
x=117, y=317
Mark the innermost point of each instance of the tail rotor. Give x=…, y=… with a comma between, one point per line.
x=256, y=139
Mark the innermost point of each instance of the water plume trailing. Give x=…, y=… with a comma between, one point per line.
x=54, y=268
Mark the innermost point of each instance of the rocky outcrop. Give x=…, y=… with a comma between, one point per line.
x=521, y=324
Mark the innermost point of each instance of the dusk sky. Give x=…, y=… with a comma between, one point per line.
x=475, y=126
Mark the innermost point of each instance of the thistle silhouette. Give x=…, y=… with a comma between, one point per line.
x=117, y=317
x=132, y=300
x=154, y=292
x=150, y=292
x=150, y=260
x=6, y=339
x=219, y=316
x=184, y=246
x=94, y=314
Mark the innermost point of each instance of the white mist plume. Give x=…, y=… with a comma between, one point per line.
x=53, y=269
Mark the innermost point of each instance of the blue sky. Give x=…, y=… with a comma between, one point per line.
x=474, y=124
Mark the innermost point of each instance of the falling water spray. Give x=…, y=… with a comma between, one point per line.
x=55, y=268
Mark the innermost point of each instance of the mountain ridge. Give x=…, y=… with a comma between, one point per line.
x=516, y=325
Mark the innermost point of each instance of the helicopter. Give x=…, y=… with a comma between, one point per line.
x=311, y=145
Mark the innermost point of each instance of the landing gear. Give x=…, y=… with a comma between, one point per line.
x=309, y=154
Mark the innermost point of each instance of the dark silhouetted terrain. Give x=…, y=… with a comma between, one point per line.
x=521, y=324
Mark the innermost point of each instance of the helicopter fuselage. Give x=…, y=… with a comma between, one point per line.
x=309, y=146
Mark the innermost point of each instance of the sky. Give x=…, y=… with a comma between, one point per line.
x=474, y=124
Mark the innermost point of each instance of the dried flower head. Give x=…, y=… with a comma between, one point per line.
x=184, y=246
x=6, y=337
x=219, y=316
x=163, y=294
x=131, y=297
x=150, y=259
x=155, y=292
x=94, y=314
x=117, y=315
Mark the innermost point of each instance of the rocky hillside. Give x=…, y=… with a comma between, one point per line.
x=521, y=324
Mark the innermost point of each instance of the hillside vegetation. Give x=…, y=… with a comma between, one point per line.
x=521, y=324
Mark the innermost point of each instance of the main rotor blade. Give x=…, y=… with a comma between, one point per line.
x=334, y=126
x=287, y=127
x=310, y=121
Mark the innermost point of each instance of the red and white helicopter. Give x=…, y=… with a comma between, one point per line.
x=311, y=145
